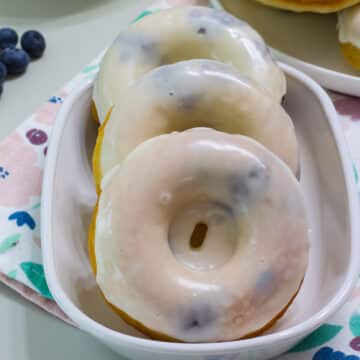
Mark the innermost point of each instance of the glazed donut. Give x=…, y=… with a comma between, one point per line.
x=317, y=6
x=193, y=93
x=183, y=33
x=349, y=35
x=213, y=250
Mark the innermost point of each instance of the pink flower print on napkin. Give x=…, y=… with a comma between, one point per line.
x=348, y=106
x=47, y=113
x=20, y=177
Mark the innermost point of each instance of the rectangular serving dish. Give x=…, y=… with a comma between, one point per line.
x=326, y=179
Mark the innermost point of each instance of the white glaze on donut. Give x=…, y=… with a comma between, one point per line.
x=178, y=34
x=245, y=272
x=196, y=93
x=349, y=26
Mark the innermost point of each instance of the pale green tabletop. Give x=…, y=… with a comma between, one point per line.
x=76, y=30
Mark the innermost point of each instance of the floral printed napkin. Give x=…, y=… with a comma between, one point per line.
x=22, y=157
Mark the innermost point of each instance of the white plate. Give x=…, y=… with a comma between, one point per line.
x=306, y=41
x=327, y=182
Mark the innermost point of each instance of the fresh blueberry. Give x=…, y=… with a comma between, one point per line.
x=33, y=43
x=8, y=38
x=16, y=60
x=3, y=72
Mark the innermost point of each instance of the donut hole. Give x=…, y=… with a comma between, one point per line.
x=198, y=235
x=203, y=235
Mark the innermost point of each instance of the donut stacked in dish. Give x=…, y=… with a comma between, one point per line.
x=200, y=231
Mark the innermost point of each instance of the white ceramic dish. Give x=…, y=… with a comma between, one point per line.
x=306, y=41
x=327, y=182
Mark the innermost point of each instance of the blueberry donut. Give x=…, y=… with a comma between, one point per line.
x=214, y=250
x=193, y=93
x=349, y=35
x=183, y=33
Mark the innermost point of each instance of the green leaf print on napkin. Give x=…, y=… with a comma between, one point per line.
x=319, y=337
x=356, y=174
x=143, y=14
x=35, y=273
x=9, y=242
x=12, y=274
x=354, y=324
x=90, y=68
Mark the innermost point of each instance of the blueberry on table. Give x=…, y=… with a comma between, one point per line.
x=16, y=60
x=33, y=43
x=8, y=38
x=3, y=73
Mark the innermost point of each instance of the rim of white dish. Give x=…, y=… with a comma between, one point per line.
x=300, y=330
x=330, y=79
